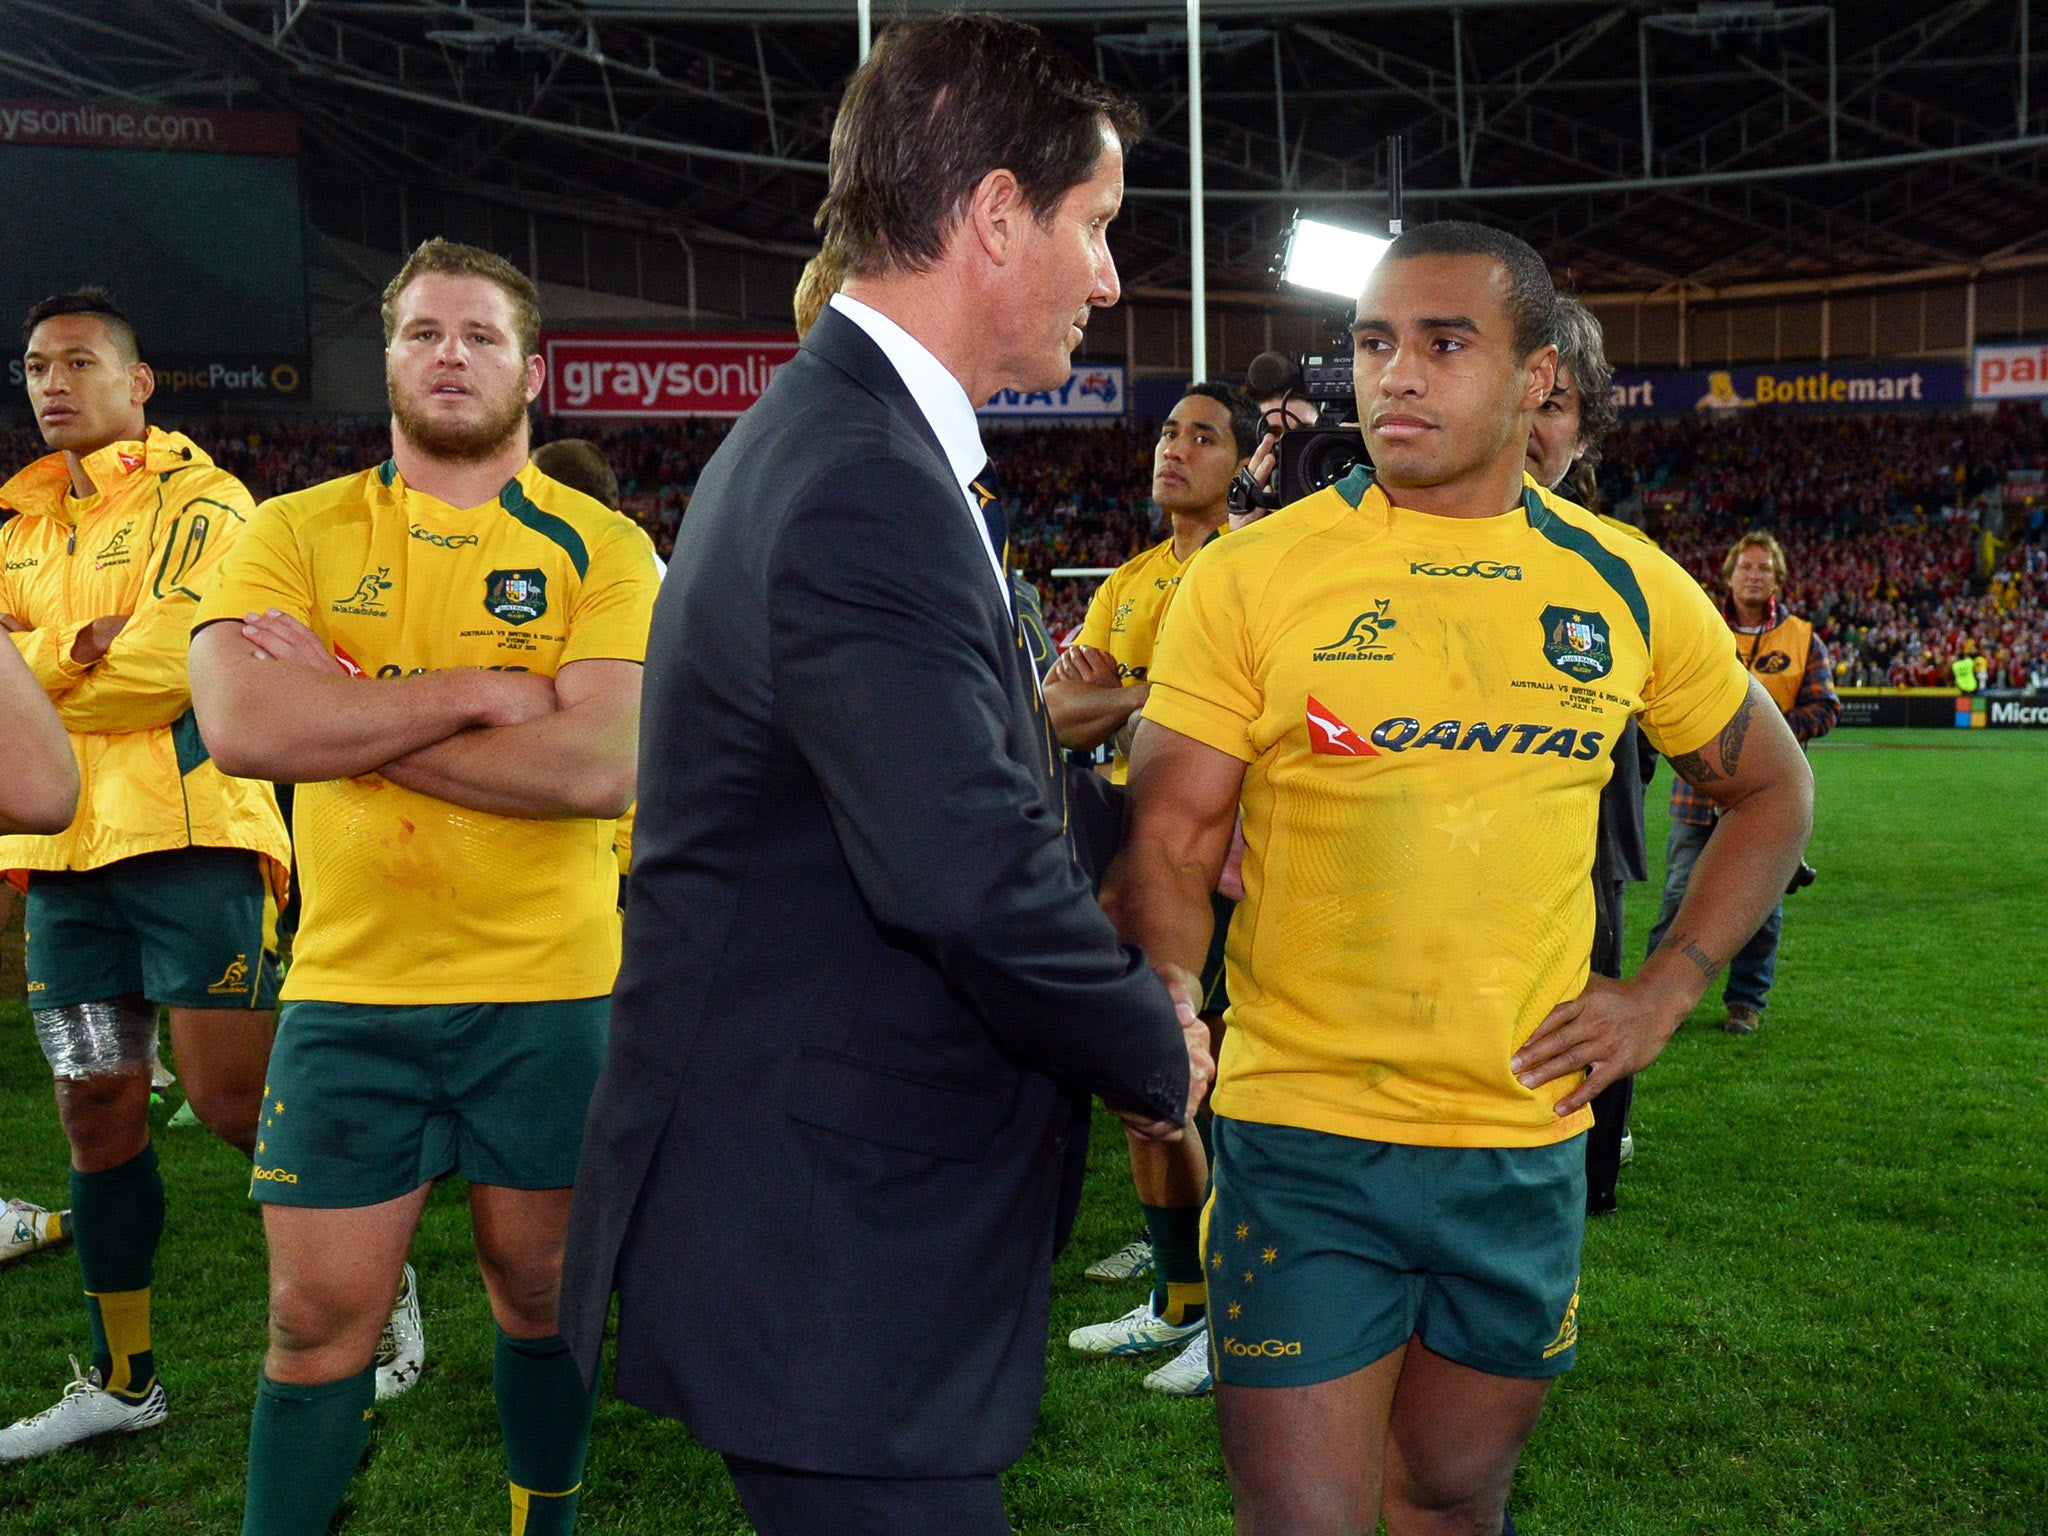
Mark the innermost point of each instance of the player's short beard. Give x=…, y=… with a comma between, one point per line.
x=464, y=444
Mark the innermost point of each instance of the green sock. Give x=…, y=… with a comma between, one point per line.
x=304, y=1443
x=1180, y=1292
x=117, y=1218
x=544, y=1412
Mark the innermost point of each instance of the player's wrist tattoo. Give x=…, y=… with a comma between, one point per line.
x=1698, y=771
x=1709, y=967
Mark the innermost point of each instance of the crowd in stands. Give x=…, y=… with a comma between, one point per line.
x=1899, y=547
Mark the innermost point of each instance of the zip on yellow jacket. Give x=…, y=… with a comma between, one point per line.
x=145, y=544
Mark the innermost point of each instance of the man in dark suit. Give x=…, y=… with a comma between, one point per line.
x=867, y=987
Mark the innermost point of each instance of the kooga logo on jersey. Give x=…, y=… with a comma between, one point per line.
x=1401, y=733
x=1486, y=570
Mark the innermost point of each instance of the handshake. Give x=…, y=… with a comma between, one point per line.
x=1185, y=990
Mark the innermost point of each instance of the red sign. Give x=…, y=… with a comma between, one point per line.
x=644, y=373
x=119, y=125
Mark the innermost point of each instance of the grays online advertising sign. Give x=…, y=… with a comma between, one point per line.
x=1881, y=385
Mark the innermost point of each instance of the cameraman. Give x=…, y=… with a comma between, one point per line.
x=1273, y=385
x=1784, y=654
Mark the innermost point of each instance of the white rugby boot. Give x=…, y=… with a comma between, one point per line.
x=86, y=1411
x=402, y=1347
x=1187, y=1374
x=24, y=1228
x=1133, y=1261
x=1138, y=1332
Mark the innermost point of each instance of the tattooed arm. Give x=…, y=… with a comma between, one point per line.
x=1757, y=778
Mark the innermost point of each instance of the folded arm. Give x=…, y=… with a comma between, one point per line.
x=1759, y=781
x=577, y=761
x=1087, y=700
x=38, y=775
x=269, y=712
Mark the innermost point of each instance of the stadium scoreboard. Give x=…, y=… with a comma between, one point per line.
x=193, y=218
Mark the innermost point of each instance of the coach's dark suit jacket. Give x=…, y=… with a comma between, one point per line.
x=866, y=987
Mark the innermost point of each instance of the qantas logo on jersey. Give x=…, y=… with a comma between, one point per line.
x=1362, y=640
x=1402, y=733
x=1329, y=736
x=1486, y=570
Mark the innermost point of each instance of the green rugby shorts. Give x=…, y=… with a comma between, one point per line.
x=1325, y=1253
x=186, y=928
x=367, y=1102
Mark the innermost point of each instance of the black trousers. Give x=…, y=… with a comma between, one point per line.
x=782, y=1501
x=1610, y=1106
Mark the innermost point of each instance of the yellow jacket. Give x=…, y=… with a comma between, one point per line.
x=146, y=544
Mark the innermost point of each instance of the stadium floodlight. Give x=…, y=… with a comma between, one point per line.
x=1328, y=258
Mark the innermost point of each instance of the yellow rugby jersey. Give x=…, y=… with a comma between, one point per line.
x=410, y=899
x=1125, y=614
x=1426, y=707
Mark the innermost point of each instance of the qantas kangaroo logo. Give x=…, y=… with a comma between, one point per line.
x=1329, y=736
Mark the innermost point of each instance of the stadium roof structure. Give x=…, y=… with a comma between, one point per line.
x=1641, y=146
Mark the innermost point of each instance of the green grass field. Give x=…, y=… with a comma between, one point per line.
x=1818, y=1311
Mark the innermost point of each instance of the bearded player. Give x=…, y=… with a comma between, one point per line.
x=444, y=653
x=1410, y=683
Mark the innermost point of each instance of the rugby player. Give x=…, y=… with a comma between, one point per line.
x=1564, y=446
x=444, y=651
x=1411, y=684
x=1096, y=692
x=162, y=889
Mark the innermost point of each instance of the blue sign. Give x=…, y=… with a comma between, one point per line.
x=1881, y=385
x=1094, y=390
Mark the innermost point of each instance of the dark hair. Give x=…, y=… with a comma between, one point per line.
x=1532, y=297
x=1582, y=352
x=451, y=259
x=1271, y=373
x=1244, y=412
x=942, y=102
x=581, y=465
x=87, y=301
